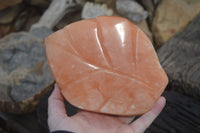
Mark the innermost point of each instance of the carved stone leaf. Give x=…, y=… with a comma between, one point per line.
x=106, y=65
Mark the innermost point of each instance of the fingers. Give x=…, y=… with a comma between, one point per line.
x=56, y=105
x=142, y=123
x=126, y=119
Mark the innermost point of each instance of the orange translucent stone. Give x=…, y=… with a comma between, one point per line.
x=106, y=65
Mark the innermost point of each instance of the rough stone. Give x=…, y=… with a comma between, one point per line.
x=9, y=14
x=156, y=2
x=24, y=123
x=80, y=2
x=39, y=3
x=7, y=3
x=150, y=6
x=7, y=18
x=41, y=32
x=24, y=72
x=104, y=1
x=55, y=12
x=180, y=57
x=180, y=115
x=26, y=18
x=32, y=20
x=69, y=18
x=172, y=16
x=144, y=27
x=2, y=130
x=17, y=18
x=4, y=29
x=91, y=10
x=131, y=10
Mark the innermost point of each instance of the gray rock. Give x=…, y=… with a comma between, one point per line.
x=41, y=32
x=24, y=72
x=180, y=57
x=91, y=10
x=131, y=10
x=150, y=7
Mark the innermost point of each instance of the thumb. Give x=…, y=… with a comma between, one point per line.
x=142, y=123
x=56, y=108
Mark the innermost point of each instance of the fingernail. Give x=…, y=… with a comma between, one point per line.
x=55, y=85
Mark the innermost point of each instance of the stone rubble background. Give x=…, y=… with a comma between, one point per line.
x=164, y=22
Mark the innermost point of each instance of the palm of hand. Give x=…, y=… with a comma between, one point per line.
x=88, y=122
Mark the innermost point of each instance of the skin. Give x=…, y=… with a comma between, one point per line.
x=89, y=122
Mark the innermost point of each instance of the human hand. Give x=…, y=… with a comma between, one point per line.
x=89, y=122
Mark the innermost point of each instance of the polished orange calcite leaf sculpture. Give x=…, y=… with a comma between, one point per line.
x=106, y=65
